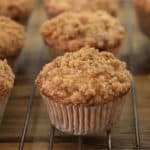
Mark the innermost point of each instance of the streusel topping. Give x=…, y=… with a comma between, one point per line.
x=6, y=78
x=72, y=31
x=16, y=9
x=12, y=37
x=84, y=77
x=56, y=7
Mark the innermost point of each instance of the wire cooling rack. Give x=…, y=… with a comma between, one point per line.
x=127, y=5
x=40, y=61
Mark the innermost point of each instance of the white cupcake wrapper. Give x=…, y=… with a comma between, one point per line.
x=82, y=119
x=3, y=103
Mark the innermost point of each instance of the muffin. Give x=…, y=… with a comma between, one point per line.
x=12, y=38
x=84, y=91
x=143, y=14
x=55, y=7
x=6, y=85
x=71, y=31
x=16, y=9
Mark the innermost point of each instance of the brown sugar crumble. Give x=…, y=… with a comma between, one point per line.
x=84, y=77
x=72, y=31
x=16, y=9
x=55, y=7
x=6, y=78
x=12, y=37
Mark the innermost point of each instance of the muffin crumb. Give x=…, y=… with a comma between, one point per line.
x=12, y=37
x=16, y=9
x=6, y=78
x=55, y=7
x=71, y=31
x=84, y=77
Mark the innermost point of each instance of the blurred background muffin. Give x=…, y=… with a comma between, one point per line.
x=84, y=90
x=12, y=38
x=6, y=84
x=143, y=14
x=18, y=10
x=73, y=30
x=55, y=7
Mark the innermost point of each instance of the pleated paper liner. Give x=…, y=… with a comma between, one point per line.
x=82, y=119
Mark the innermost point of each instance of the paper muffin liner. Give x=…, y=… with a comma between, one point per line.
x=82, y=119
x=3, y=103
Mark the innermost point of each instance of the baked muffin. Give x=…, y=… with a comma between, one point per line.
x=143, y=14
x=71, y=31
x=84, y=90
x=6, y=85
x=55, y=7
x=12, y=38
x=16, y=9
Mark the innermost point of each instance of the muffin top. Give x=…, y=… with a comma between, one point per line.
x=6, y=78
x=86, y=77
x=144, y=4
x=71, y=31
x=16, y=9
x=11, y=37
x=55, y=7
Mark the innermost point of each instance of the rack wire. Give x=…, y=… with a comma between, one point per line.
x=129, y=27
x=80, y=138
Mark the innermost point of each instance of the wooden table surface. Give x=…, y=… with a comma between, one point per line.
x=35, y=55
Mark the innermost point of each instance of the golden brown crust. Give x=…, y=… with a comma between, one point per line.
x=55, y=7
x=71, y=31
x=11, y=37
x=16, y=9
x=6, y=78
x=84, y=77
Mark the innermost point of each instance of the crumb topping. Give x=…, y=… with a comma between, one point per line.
x=16, y=9
x=6, y=78
x=84, y=77
x=56, y=7
x=72, y=31
x=12, y=37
